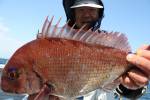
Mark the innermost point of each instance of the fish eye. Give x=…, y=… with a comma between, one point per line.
x=13, y=74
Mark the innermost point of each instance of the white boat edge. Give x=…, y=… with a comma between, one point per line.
x=1, y=67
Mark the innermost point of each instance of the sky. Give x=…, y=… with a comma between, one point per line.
x=20, y=21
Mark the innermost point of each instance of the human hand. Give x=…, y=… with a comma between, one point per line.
x=138, y=77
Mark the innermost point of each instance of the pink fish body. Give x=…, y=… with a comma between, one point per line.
x=72, y=65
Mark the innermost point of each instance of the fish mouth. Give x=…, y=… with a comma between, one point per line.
x=13, y=92
x=11, y=89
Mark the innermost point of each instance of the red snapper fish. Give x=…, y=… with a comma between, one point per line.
x=70, y=62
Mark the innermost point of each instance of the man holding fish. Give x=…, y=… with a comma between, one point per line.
x=77, y=64
x=90, y=13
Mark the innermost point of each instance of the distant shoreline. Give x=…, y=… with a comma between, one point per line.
x=3, y=61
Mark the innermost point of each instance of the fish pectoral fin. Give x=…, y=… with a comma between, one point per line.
x=44, y=93
x=111, y=85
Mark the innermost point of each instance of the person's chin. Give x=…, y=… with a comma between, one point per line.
x=86, y=28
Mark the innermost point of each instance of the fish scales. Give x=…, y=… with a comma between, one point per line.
x=65, y=63
x=72, y=64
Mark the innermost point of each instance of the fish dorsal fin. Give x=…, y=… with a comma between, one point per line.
x=111, y=39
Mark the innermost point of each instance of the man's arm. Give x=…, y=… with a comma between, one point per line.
x=134, y=82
